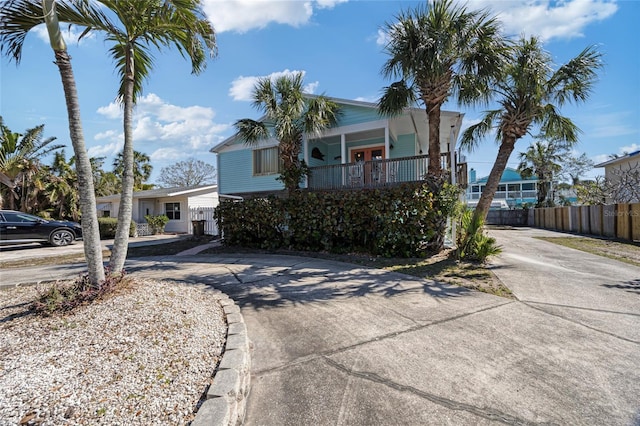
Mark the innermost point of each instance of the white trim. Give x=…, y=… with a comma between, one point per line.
x=343, y=148
x=354, y=128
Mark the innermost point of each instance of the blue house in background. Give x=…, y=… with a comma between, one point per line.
x=362, y=150
x=513, y=191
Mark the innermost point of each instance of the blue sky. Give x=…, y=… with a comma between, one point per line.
x=338, y=45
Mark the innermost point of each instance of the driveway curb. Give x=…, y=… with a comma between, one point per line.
x=226, y=398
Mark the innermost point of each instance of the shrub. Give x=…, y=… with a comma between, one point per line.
x=157, y=223
x=401, y=221
x=107, y=227
x=473, y=244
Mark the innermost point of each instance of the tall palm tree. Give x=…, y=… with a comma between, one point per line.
x=530, y=94
x=288, y=116
x=141, y=25
x=543, y=160
x=142, y=169
x=17, y=18
x=438, y=50
x=20, y=156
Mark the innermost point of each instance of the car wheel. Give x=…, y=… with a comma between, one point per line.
x=61, y=237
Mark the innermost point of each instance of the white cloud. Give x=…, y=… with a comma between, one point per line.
x=163, y=131
x=549, y=19
x=242, y=87
x=543, y=18
x=629, y=148
x=69, y=33
x=244, y=15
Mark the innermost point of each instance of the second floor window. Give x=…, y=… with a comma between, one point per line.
x=266, y=161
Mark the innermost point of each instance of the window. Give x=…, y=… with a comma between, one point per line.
x=528, y=186
x=513, y=187
x=475, y=188
x=266, y=161
x=502, y=188
x=172, y=210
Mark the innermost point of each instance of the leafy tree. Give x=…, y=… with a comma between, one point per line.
x=142, y=169
x=439, y=50
x=17, y=18
x=288, y=115
x=530, y=94
x=20, y=156
x=142, y=25
x=105, y=183
x=544, y=161
x=574, y=167
x=191, y=172
x=591, y=192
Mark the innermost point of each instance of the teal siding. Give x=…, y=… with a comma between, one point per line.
x=351, y=114
x=235, y=174
x=405, y=146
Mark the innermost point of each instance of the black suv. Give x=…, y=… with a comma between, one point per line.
x=18, y=227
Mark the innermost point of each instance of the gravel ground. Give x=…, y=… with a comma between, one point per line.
x=142, y=357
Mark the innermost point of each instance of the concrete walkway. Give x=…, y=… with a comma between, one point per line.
x=336, y=344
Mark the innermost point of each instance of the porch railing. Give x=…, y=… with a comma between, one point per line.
x=371, y=174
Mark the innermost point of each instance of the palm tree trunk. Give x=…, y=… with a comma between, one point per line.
x=121, y=240
x=504, y=152
x=433, y=115
x=88, y=208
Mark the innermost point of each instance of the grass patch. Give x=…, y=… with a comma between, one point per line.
x=626, y=252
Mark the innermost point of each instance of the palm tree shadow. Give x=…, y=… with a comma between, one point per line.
x=632, y=286
x=307, y=281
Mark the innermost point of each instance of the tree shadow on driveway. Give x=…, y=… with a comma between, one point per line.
x=632, y=286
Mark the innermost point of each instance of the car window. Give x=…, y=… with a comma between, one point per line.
x=19, y=217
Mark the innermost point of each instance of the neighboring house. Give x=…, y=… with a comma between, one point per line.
x=182, y=205
x=363, y=150
x=623, y=174
x=513, y=190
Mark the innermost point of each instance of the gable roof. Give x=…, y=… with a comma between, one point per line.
x=164, y=192
x=620, y=159
x=509, y=175
x=411, y=119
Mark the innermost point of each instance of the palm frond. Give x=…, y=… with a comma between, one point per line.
x=574, y=80
x=251, y=131
x=396, y=98
x=472, y=136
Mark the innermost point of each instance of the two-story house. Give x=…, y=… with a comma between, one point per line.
x=362, y=150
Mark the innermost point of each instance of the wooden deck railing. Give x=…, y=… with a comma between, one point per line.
x=372, y=174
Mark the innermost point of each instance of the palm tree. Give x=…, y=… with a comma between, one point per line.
x=544, y=161
x=439, y=50
x=20, y=156
x=17, y=18
x=142, y=169
x=529, y=94
x=288, y=115
x=142, y=25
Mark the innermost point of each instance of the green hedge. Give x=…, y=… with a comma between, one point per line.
x=107, y=226
x=402, y=221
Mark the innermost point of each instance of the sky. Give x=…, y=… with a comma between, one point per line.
x=338, y=45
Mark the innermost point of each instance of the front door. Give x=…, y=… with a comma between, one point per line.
x=373, y=170
x=146, y=208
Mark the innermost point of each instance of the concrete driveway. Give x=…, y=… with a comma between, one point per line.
x=335, y=344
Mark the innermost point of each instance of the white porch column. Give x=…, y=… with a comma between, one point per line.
x=305, y=149
x=343, y=148
x=387, y=144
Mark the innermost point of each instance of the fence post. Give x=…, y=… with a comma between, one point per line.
x=635, y=222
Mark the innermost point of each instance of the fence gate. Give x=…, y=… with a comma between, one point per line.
x=206, y=214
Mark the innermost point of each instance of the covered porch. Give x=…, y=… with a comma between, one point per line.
x=383, y=172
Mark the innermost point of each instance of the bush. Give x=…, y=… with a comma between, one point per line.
x=403, y=221
x=157, y=223
x=107, y=227
x=473, y=244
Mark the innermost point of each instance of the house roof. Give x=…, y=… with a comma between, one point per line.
x=408, y=122
x=163, y=192
x=509, y=175
x=635, y=154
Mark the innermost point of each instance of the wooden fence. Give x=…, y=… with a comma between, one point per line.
x=613, y=220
